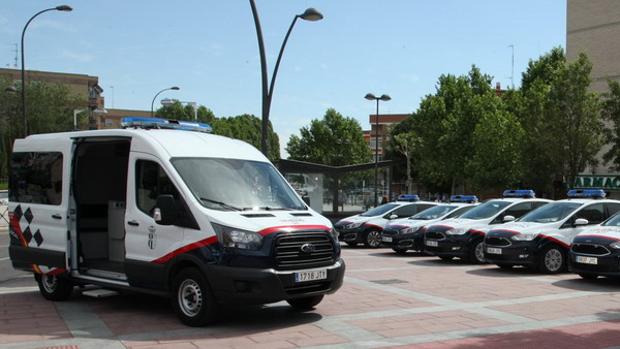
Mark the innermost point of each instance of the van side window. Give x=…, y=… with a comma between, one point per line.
x=36, y=178
x=152, y=181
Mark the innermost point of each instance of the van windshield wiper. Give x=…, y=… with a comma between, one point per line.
x=223, y=204
x=268, y=208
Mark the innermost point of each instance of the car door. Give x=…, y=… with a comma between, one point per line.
x=146, y=240
x=594, y=213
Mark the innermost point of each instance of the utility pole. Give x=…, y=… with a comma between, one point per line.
x=512, y=69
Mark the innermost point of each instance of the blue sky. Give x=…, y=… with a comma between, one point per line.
x=209, y=49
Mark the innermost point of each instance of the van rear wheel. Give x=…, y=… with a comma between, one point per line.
x=306, y=303
x=54, y=287
x=192, y=298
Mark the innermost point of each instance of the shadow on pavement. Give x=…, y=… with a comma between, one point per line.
x=503, y=273
x=599, y=285
x=437, y=262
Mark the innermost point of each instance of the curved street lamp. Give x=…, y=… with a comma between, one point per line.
x=63, y=8
x=385, y=98
x=174, y=88
x=311, y=15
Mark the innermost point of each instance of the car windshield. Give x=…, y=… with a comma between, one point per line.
x=486, y=210
x=379, y=210
x=434, y=212
x=614, y=221
x=237, y=185
x=550, y=213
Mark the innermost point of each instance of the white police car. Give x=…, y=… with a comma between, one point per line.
x=596, y=252
x=462, y=237
x=366, y=227
x=408, y=233
x=541, y=239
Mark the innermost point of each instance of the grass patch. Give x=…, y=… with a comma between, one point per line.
x=4, y=185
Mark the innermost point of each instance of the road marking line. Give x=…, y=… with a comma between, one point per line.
x=4, y=258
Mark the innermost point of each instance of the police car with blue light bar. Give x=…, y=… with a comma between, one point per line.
x=541, y=239
x=462, y=237
x=408, y=233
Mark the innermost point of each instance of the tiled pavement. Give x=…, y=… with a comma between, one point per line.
x=387, y=301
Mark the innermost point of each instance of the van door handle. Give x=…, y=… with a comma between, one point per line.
x=56, y=216
x=133, y=223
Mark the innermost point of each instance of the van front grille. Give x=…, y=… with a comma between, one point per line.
x=304, y=250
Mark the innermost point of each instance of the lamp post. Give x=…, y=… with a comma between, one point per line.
x=309, y=14
x=174, y=88
x=384, y=98
x=64, y=8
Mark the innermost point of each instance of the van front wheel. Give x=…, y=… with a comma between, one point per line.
x=54, y=287
x=306, y=303
x=192, y=298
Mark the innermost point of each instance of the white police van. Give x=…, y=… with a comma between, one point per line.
x=366, y=227
x=408, y=233
x=541, y=239
x=462, y=237
x=164, y=207
x=596, y=251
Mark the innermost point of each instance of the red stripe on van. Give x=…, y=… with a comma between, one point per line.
x=198, y=244
x=17, y=228
x=291, y=228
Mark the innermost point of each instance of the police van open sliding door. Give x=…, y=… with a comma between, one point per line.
x=38, y=207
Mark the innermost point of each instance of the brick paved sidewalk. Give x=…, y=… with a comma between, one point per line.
x=387, y=301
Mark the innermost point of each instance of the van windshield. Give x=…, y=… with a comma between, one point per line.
x=237, y=185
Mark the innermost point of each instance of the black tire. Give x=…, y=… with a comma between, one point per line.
x=588, y=276
x=351, y=243
x=192, y=298
x=400, y=251
x=505, y=266
x=54, y=288
x=373, y=239
x=476, y=253
x=446, y=258
x=552, y=260
x=306, y=303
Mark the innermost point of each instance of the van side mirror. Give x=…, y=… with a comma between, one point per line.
x=580, y=222
x=166, y=211
x=508, y=218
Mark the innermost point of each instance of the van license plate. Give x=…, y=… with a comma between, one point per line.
x=586, y=260
x=492, y=250
x=311, y=275
x=386, y=238
x=431, y=243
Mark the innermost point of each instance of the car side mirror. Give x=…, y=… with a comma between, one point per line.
x=508, y=218
x=393, y=216
x=166, y=211
x=580, y=222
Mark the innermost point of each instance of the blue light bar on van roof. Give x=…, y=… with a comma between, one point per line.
x=144, y=122
x=519, y=193
x=408, y=197
x=586, y=193
x=463, y=198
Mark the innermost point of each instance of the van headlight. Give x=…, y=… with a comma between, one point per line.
x=238, y=238
x=456, y=231
x=615, y=245
x=523, y=237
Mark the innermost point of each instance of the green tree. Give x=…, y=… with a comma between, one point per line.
x=246, y=127
x=334, y=140
x=177, y=111
x=405, y=144
x=611, y=113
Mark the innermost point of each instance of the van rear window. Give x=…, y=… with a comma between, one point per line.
x=36, y=178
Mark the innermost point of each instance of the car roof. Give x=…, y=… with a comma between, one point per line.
x=587, y=201
x=520, y=199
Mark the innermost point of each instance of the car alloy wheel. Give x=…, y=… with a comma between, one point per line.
x=479, y=252
x=373, y=239
x=553, y=260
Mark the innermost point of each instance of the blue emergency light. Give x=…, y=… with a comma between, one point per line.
x=464, y=198
x=519, y=193
x=144, y=122
x=408, y=197
x=586, y=193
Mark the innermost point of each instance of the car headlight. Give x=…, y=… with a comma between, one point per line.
x=456, y=231
x=523, y=237
x=615, y=245
x=238, y=238
x=353, y=225
x=409, y=230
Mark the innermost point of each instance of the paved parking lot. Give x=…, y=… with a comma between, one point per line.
x=387, y=301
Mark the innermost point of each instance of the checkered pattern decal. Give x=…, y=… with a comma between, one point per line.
x=21, y=226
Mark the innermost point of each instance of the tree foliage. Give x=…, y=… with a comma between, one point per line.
x=333, y=140
x=611, y=114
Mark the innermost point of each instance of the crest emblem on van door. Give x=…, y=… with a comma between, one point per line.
x=152, y=238
x=307, y=248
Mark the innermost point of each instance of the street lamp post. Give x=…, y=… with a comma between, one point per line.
x=174, y=88
x=384, y=98
x=64, y=8
x=309, y=14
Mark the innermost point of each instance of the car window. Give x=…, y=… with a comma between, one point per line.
x=595, y=214
x=459, y=211
x=612, y=208
x=36, y=177
x=406, y=211
x=516, y=211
